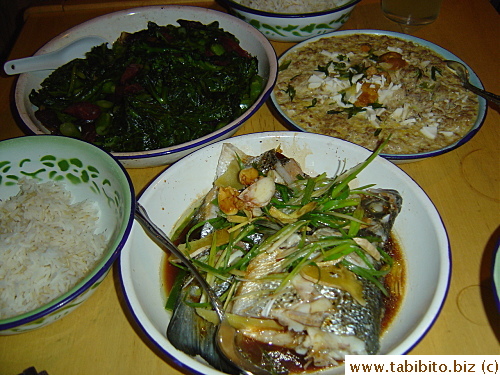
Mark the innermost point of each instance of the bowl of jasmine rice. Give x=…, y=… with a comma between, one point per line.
x=292, y=20
x=66, y=210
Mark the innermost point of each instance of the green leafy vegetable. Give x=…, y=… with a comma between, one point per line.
x=155, y=88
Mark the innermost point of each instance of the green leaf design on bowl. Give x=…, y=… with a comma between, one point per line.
x=273, y=29
x=63, y=165
x=73, y=179
x=33, y=174
x=290, y=28
x=309, y=28
x=297, y=30
x=85, y=176
x=12, y=179
x=48, y=160
x=95, y=188
x=255, y=23
x=343, y=18
x=76, y=162
x=324, y=26
x=96, y=284
x=71, y=170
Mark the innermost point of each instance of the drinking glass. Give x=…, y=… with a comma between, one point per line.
x=411, y=13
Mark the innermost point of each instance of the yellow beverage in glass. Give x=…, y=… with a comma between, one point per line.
x=411, y=12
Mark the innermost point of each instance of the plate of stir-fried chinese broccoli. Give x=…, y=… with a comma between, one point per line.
x=172, y=79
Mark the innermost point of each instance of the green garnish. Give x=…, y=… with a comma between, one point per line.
x=350, y=111
x=324, y=69
x=435, y=70
x=297, y=210
x=284, y=65
x=290, y=90
x=313, y=104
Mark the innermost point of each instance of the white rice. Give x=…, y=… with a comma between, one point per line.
x=47, y=245
x=292, y=6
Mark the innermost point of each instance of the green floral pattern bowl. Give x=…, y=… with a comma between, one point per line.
x=283, y=27
x=88, y=173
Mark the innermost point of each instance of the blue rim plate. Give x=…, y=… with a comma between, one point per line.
x=419, y=229
x=110, y=26
x=447, y=55
x=496, y=275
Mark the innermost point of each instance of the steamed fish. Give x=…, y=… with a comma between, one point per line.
x=298, y=262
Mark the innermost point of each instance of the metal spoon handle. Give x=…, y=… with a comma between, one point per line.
x=162, y=239
x=483, y=93
x=226, y=333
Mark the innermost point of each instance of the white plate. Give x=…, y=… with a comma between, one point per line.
x=110, y=26
x=447, y=55
x=419, y=229
x=496, y=275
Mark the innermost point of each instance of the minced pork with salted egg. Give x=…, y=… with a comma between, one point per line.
x=365, y=87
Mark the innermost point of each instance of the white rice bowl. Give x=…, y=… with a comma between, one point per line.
x=66, y=208
x=47, y=239
x=288, y=25
x=292, y=6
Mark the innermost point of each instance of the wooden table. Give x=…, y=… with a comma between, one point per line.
x=99, y=337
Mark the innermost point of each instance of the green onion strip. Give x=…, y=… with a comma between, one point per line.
x=336, y=208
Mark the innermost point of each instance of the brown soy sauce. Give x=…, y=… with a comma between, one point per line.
x=296, y=363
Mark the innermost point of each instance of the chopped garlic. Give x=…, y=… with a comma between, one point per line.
x=356, y=78
x=388, y=93
x=331, y=55
x=338, y=100
x=409, y=121
x=372, y=114
x=315, y=79
x=377, y=79
x=395, y=49
x=397, y=114
x=314, y=85
x=447, y=134
x=429, y=131
x=401, y=113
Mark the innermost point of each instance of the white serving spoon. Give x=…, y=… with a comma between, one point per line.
x=55, y=59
